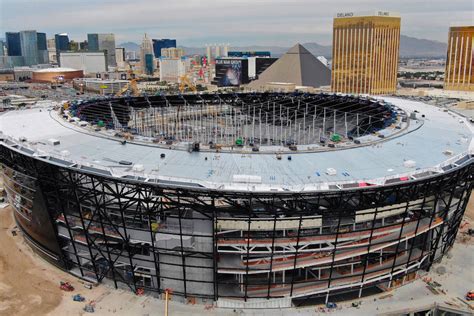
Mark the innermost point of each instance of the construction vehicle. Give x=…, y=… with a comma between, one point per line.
x=81, y=88
x=128, y=136
x=89, y=308
x=78, y=298
x=185, y=82
x=470, y=296
x=66, y=286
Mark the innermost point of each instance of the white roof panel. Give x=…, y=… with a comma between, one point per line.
x=425, y=143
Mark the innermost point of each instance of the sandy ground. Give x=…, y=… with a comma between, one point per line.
x=30, y=286
x=25, y=288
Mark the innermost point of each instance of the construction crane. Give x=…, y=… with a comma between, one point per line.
x=185, y=82
x=131, y=87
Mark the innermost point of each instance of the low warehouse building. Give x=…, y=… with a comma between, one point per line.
x=7, y=75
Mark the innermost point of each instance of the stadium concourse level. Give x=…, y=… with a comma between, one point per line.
x=240, y=119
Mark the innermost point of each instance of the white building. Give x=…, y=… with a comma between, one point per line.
x=131, y=55
x=217, y=51
x=208, y=54
x=225, y=50
x=172, y=52
x=110, y=86
x=171, y=69
x=51, y=44
x=120, y=57
x=89, y=62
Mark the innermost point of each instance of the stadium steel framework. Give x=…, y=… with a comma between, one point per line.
x=232, y=245
x=254, y=119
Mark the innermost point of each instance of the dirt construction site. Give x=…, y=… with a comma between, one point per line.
x=30, y=286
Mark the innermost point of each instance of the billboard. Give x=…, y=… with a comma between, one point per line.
x=231, y=72
x=249, y=54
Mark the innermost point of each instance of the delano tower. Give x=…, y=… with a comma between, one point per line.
x=365, y=53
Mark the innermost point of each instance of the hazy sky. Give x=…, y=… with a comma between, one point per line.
x=238, y=22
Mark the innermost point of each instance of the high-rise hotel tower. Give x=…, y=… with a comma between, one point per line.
x=365, y=53
x=459, y=73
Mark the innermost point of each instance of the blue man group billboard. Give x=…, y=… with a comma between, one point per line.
x=231, y=72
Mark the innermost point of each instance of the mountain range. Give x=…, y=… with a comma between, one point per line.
x=409, y=47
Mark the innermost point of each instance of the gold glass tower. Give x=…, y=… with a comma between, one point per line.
x=365, y=53
x=459, y=73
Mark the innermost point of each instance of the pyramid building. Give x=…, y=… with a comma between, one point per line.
x=298, y=66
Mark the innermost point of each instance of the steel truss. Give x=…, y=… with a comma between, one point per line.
x=141, y=235
x=257, y=118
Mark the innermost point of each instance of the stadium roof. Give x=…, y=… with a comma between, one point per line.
x=297, y=66
x=433, y=144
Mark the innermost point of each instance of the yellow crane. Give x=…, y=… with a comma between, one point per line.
x=185, y=82
x=131, y=86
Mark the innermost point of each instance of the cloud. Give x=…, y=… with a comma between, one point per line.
x=196, y=22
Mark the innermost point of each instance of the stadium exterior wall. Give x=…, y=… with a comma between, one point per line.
x=215, y=245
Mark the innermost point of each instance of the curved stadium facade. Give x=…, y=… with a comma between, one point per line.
x=249, y=200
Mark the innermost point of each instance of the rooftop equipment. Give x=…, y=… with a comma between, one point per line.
x=336, y=137
x=243, y=178
x=409, y=164
x=138, y=168
x=53, y=142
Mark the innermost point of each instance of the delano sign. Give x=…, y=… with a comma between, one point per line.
x=372, y=13
x=345, y=15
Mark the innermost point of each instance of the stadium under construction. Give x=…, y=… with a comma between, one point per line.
x=245, y=200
